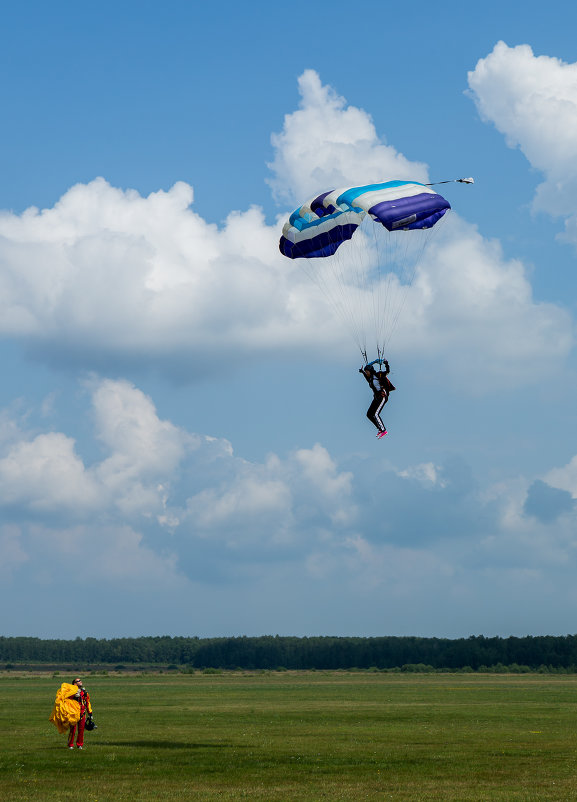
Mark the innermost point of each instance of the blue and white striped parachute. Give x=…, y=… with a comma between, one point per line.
x=318, y=228
x=383, y=229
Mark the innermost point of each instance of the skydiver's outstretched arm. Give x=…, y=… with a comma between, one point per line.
x=381, y=362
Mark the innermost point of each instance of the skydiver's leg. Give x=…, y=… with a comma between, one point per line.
x=81, y=724
x=381, y=426
x=374, y=410
x=371, y=413
x=71, y=734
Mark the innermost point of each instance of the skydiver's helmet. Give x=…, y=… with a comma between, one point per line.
x=90, y=723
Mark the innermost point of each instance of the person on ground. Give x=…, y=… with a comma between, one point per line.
x=83, y=698
x=72, y=712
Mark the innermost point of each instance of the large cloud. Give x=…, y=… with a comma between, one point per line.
x=166, y=512
x=110, y=273
x=43, y=473
x=107, y=276
x=159, y=477
x=328, y=143
x=532, y=100
x=475, y=307
x=564, y=478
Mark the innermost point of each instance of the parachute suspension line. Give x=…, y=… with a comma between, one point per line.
x=398, y=257
x=401, y=279
x=367, y=281
x=345, y=278
x=334, y=277
x=393, y=274
x=346, y=271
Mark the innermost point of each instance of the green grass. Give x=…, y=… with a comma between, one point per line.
x=292, y=737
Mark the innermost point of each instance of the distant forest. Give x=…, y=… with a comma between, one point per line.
x=476, y=653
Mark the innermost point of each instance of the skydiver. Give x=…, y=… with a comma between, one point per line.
x=83, y=698
x=381, y=386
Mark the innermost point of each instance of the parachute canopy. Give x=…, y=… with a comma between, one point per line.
x=320, y=226
x=66, y=709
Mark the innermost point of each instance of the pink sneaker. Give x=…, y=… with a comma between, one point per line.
x=382, y=434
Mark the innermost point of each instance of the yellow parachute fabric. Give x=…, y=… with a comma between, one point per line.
x=66, y=709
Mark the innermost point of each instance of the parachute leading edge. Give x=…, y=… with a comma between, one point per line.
x=320, y=226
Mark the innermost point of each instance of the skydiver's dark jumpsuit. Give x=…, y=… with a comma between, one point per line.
x=381, y=387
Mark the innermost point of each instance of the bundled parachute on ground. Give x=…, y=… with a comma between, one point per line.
x=66, y=711
x=361, y=246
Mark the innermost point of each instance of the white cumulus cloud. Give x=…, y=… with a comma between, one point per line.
x=165, y=509
x=328, y=143
x=107, y=275
x=532, y=100
x=47, y=473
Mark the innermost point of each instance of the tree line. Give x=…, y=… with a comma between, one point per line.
x=299, y=653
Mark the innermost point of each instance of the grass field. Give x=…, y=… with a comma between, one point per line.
x=291, y=737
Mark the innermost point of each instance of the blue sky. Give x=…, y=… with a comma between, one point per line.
x=183, y=447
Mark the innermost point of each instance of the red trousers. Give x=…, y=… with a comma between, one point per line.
x=72, y=732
